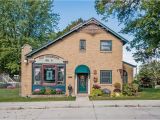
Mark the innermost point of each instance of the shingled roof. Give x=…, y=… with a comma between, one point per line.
x=75, y=29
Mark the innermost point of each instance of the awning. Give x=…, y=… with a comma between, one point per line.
x=82, y=69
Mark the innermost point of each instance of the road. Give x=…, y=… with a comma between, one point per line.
x=81, y=109
x=84, y=113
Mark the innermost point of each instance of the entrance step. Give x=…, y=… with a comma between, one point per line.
x=82, y=98
x=82, y=95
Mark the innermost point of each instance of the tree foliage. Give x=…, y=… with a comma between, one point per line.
x=70, y=26
x=141, y=19
x=23, y=21
x=150, y=71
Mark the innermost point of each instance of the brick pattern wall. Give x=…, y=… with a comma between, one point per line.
x=68, y=49
x=129, y=70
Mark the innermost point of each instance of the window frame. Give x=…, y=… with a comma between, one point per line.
x=42, y=82
x=64, y=74
x=107, y=81
x=49, y=66
x=125, y=77
x=105, y=49
x=34, y=81
x=80, y=45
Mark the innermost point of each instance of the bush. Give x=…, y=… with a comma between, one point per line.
x=138, y=83
x=96, y=92
x=58, y=91
x=42, y=91
x=39, y=91
x=117, y=90
x=47, y=91
x=130, y=89
x=53, y=92
x=117, y=85
x=96, y=86
x=127, y=90
x=116, y=94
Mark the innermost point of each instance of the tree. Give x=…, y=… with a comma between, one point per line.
x=23, y=21
x=150, y=71
x=70, y=26
x=141, y=19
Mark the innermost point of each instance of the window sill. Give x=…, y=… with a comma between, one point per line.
x=105, y=51
x=82, y=51
x=105, y=84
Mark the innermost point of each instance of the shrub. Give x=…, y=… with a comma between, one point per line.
x=96, y=92
x=42, y=91
x=58, y=91
x=47, y=91
x=130, y=89
x=36, y=91
x=96, y=86
x=53, y=92
x=117, y=85
x=116, y=94
x=117, y=90
x=127, y=90
x=39, y=91
x=138, y=83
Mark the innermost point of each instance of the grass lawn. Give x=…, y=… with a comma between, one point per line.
x=146, y=94
x=12, y=95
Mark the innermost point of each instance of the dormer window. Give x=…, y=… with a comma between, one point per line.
x=82, y=44
x=106, y=45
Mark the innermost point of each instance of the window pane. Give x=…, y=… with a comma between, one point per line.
x=106, y=45
x=82, y=44
x=37, y=75
x=49, y=75
x=60, y=75
x=106, y=76
x=125, y=77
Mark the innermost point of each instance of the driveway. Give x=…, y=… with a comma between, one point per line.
x=82, y=109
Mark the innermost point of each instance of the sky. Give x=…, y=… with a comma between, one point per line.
x=71, y=10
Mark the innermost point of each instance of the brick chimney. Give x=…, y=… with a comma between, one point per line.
x=26, y=72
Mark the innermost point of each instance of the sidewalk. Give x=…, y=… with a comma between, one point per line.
x=81, y=102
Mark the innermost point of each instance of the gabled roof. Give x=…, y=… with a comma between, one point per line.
x=76, y=28
x=129, y=64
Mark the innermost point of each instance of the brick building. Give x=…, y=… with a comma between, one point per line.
x=90, y=53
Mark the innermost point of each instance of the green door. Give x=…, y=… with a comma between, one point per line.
x=82, y=83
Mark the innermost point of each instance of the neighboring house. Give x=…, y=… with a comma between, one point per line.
x=90, y=53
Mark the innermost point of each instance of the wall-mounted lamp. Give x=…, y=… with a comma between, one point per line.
x=26, y=61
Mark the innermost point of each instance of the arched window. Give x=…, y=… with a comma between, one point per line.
x=125, y=76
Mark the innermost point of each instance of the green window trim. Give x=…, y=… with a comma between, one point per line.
x=105, y=76
x=109, y=42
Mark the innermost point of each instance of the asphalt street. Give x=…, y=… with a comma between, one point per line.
x=81, y=109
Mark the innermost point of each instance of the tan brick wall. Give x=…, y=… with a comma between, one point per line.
x=26, y=72
x=68, y=48
x=129, y=69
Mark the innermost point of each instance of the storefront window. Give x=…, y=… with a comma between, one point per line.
x=49, y=75
x=37, y=75
x=60, y=75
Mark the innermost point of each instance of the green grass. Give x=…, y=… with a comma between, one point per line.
x=146, y=94
x=12, y=95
